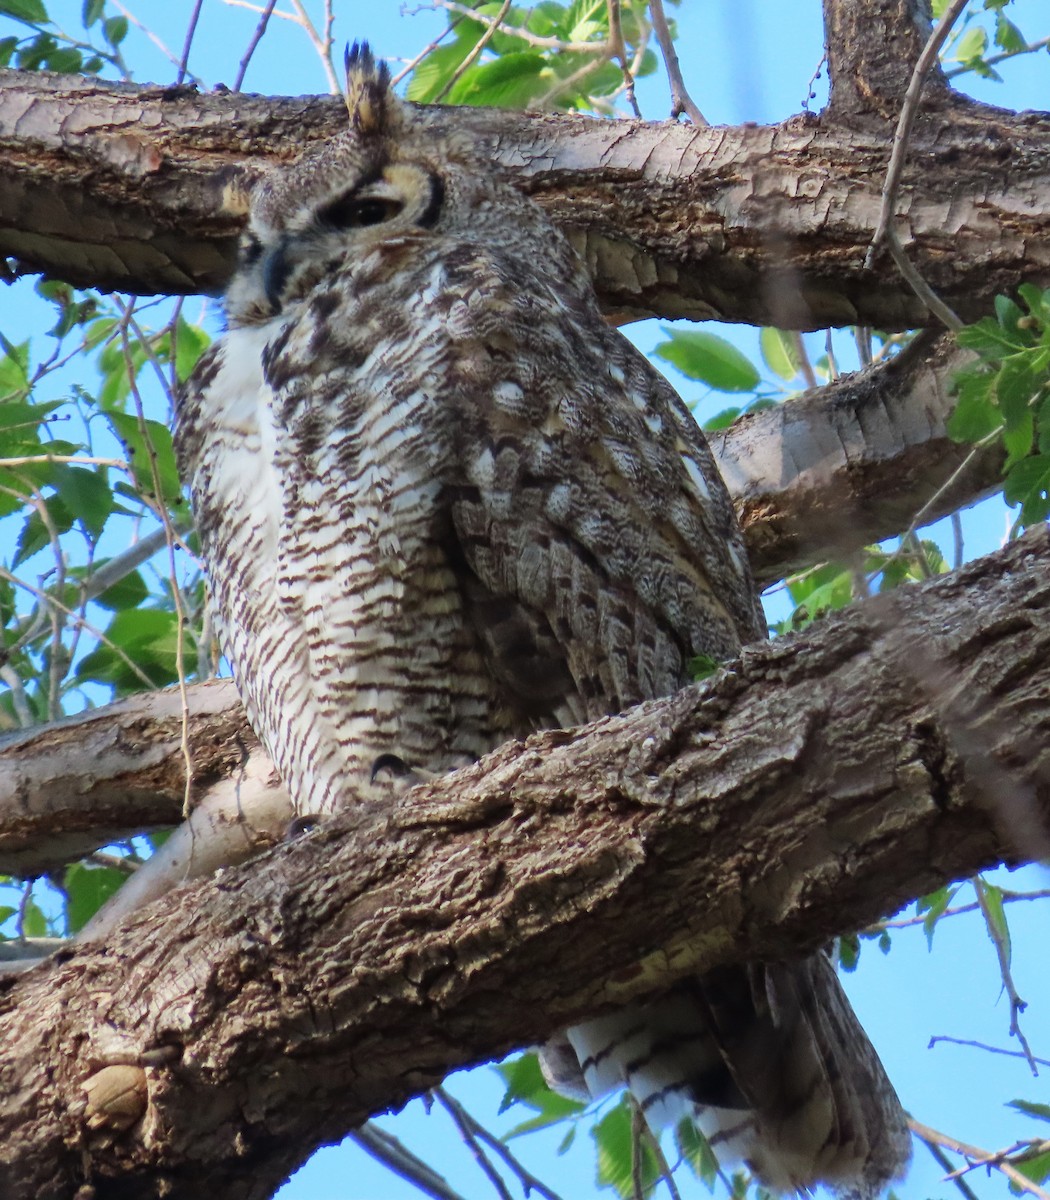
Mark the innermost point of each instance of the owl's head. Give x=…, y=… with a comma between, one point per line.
x=388, y=178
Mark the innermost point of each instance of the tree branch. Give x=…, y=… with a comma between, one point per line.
x=814, y=784
x=143, y=189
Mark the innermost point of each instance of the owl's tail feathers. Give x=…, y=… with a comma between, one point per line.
x=771, y=1063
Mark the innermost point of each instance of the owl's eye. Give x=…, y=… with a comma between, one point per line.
x=355, y=212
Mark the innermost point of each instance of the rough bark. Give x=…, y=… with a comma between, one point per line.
x=843, y=466
x=832, y=470
x=815, y=784
x=141, y=188
x=872, y=49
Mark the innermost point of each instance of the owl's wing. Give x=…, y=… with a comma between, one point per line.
x=599, y=537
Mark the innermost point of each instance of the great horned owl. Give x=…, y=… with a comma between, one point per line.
x=442, y=504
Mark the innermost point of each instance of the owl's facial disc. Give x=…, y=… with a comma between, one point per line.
x=391, y=200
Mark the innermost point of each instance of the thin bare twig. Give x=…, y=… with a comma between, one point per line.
x=946, y=1165
x=884, y=231
x=681, y=101
x=476, y=52
x=978, y=1158
x=18, y=695
x=1030, y=48
x=191, y=29
x=463, y=1122
x=528, y=1181
x=396, y=1157
x=943, y=1037
x=619, y=53
x=256, y=38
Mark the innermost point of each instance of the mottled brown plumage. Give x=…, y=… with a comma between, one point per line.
x=443, y=504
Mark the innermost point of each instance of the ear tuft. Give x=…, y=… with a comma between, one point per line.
x=367, y=90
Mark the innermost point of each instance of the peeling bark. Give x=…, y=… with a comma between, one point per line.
x=142, y=188
x=813, y=785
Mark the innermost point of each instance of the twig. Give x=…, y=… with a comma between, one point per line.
x=619, y=52
x=411, y=65
x=884, y=231
x=256, y=38
x=191, y=29
x=958, y=547
x=396, y=1157
x=978, y=1158
x=1017, y=1005
x=529, y=1181
x=130, y=16
x=476, y=52
x=945, y=1163
x=681, y=101
x=1031, y=48
x=120, y=566
x=943, y=1037
x=18, y=695
x=460, y=1118
x=171, y=538
x=525, y=35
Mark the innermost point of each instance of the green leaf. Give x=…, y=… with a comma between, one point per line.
x=995, y=916
x=710, y=359
x=1028, y=483
x=700, y=666
x=1040, y=1111
x=115, y=30
x=722, y=420
x=1008, y=36
x=849, y=952
x=34, y=923
x=88, y=889
x=525, y=1085
x=139, y=439
x=1037, y=1169
x=35, y=535
x=885, y=942
x=8, y=45
x=975, y=415
x=148, y=637
x=508, y=82
x=65, y=60
x=91, y=11
x=696, y=1150
x=989, y=339
x=780, y=352
x=617, y=1145
x=190, y=343
x=432, y=75
x=933, y=906
x=1038, y=301
x=32, y=11
x=128, y=592
x=86, y=494
x=971, y=45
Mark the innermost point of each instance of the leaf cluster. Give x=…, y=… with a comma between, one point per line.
x=1005, y=396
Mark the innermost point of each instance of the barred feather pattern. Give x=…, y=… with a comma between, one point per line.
x=441, y=504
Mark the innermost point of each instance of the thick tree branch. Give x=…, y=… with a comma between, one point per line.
x=830, y=471
x=845, y=465
x=142, y=188
x=818, y=782
x=872, y=49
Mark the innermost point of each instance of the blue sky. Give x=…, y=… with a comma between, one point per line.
x=743, y=60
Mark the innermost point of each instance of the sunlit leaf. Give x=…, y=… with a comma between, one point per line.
x=88, y=888
x=710, y=359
